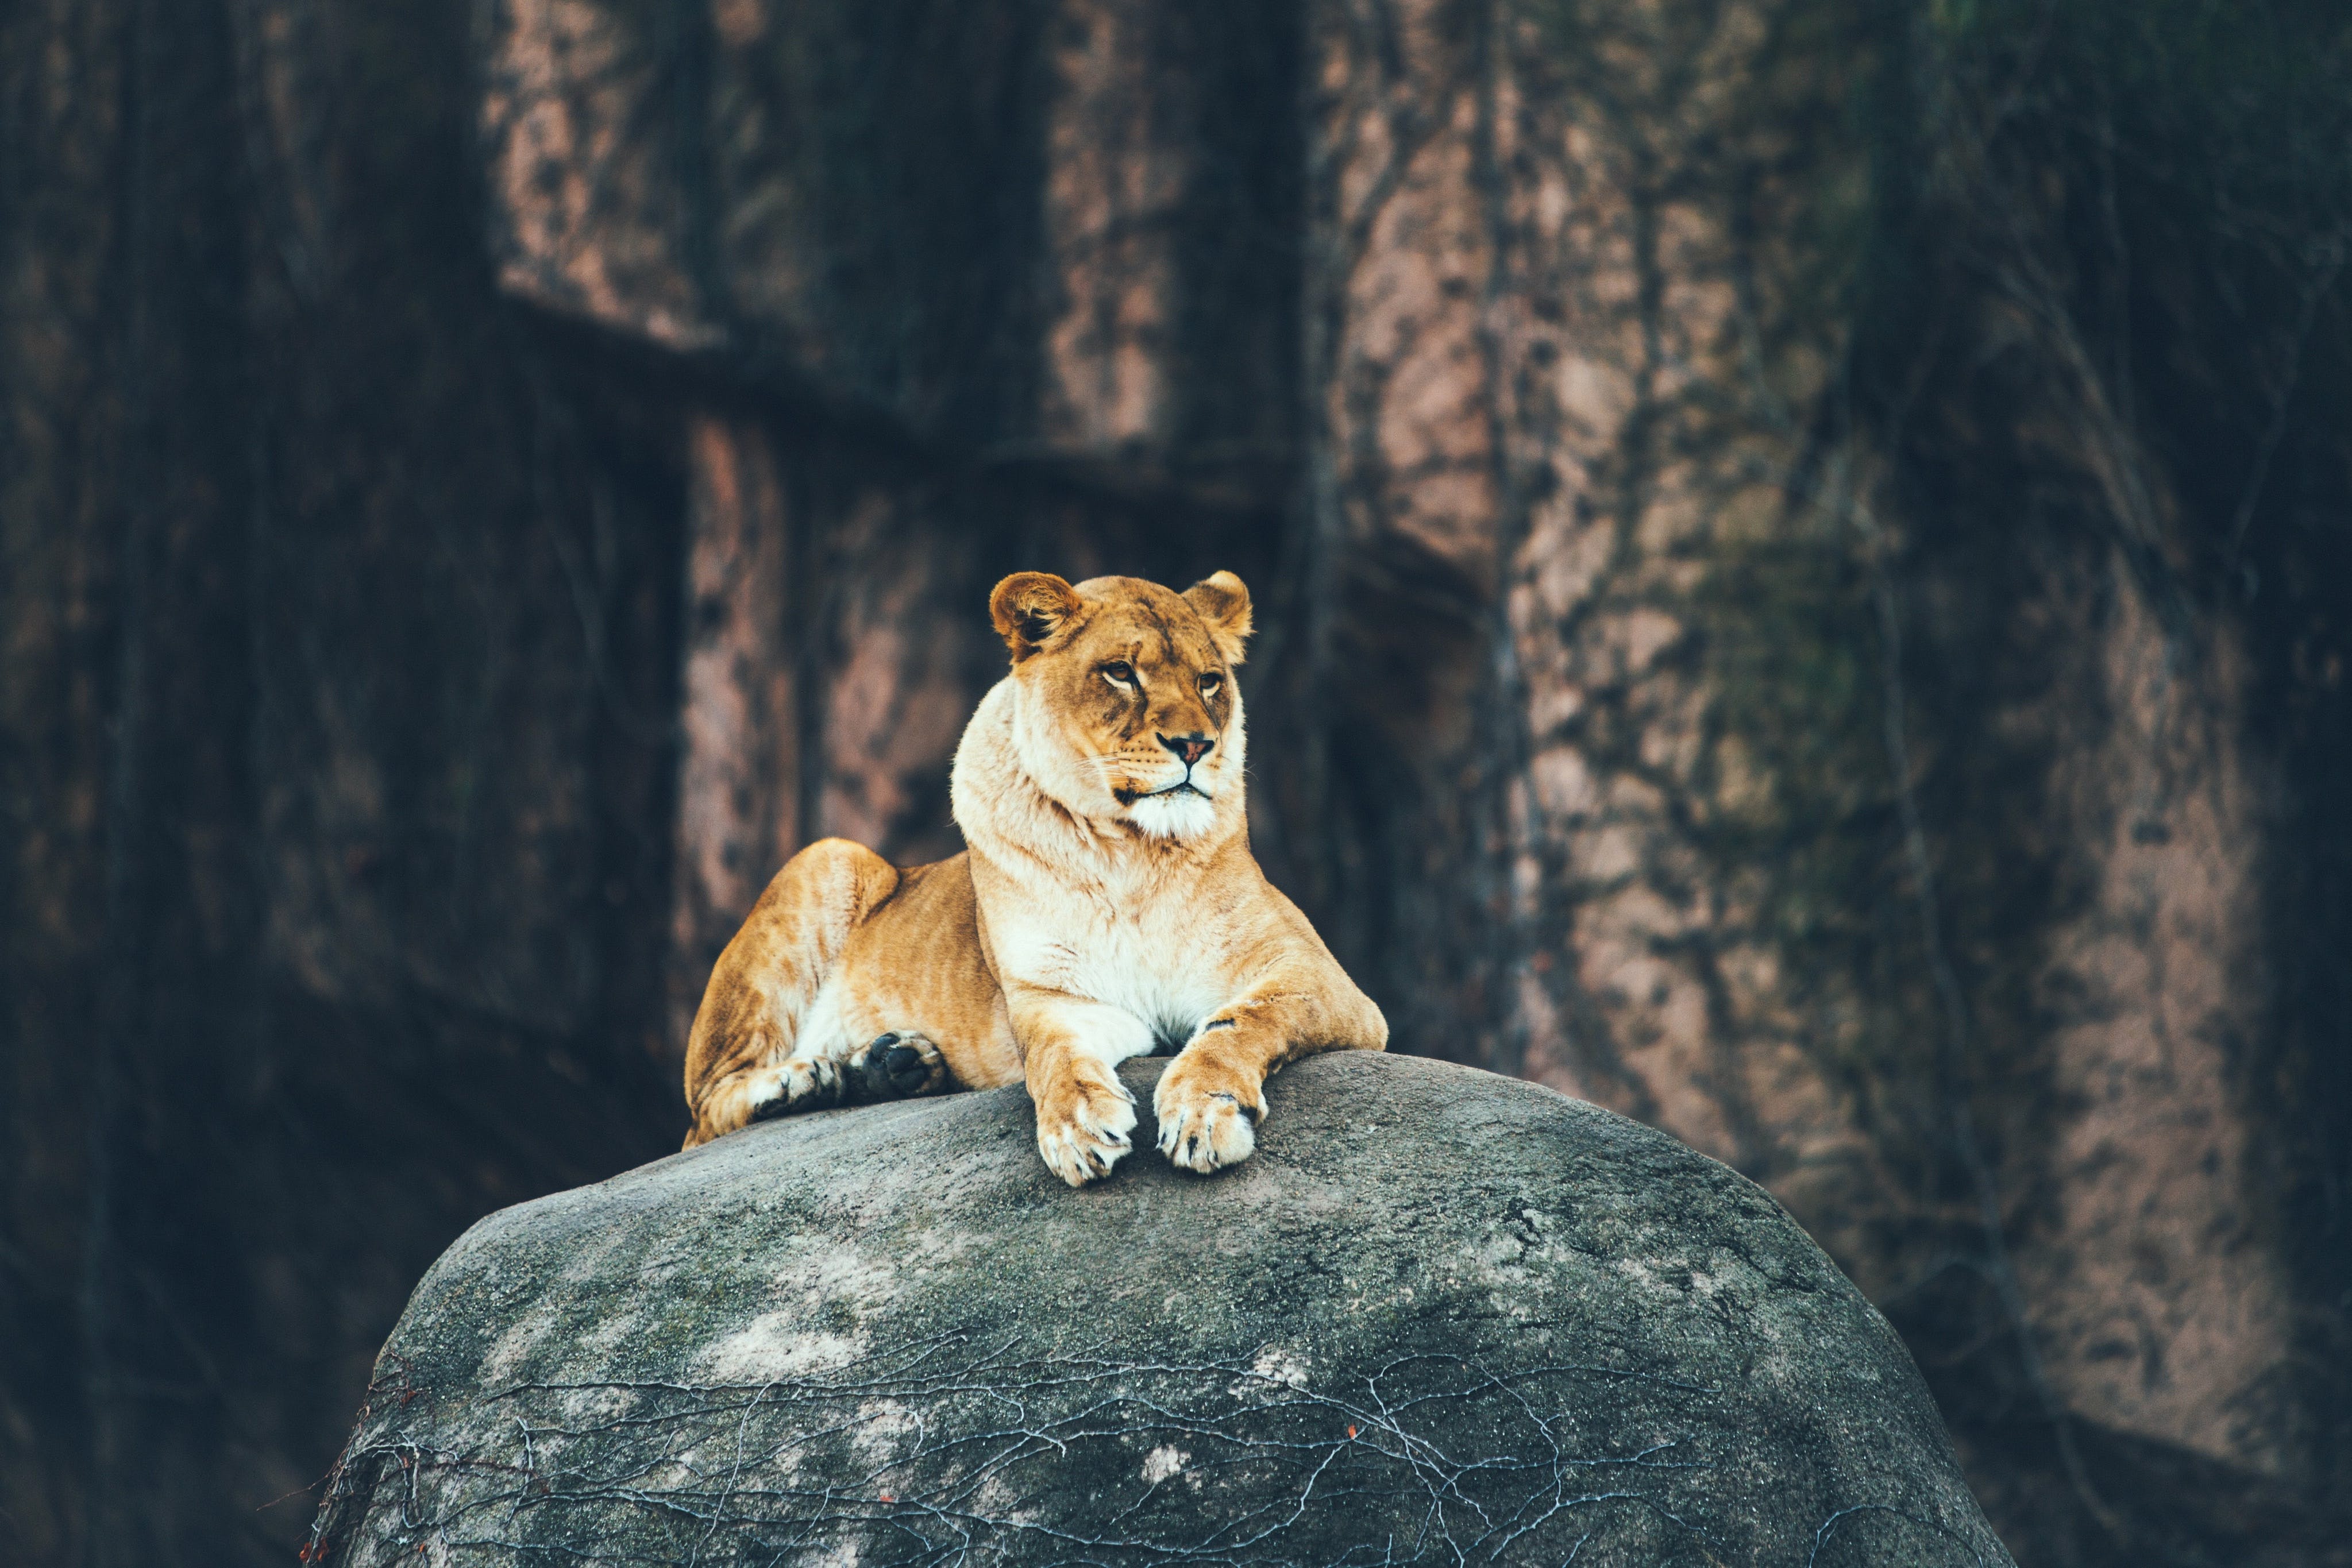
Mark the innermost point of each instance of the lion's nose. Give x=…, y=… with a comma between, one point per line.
x=1190, y=747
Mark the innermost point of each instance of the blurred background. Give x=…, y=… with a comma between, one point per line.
x=1803, y=546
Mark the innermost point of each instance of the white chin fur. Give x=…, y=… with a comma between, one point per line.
x=1185, y=815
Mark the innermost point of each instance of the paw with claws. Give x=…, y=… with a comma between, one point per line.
x=795, y=1084
x=1083, y=1123
x=1208, y=1115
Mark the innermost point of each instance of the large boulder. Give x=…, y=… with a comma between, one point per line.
x=1440, y=1317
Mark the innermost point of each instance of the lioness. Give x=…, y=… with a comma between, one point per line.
x=1107, y=901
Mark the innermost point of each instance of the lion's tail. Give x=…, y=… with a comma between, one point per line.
x=762, y=987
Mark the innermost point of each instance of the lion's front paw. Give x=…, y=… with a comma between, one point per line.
x=1082, y=1129
x=1205, y=1122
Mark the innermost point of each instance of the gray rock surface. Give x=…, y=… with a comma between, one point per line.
x=1440, y=1317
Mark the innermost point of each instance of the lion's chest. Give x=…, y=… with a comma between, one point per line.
x=1147, y=965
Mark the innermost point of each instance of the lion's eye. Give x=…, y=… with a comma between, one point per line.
x=1210, y=682
x=1119, y=672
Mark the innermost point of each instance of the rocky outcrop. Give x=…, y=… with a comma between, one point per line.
x=1442, y=1316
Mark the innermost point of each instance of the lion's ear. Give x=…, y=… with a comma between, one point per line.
x=1223, y=604
x=1028, y=608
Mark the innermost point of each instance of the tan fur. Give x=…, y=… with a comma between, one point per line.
x=1101, y=907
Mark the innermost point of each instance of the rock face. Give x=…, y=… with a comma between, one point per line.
x=1441, y=1316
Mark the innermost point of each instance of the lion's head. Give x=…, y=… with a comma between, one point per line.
x=1127, y=707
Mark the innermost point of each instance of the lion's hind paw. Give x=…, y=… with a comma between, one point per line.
x=901, y=1066
x=801, y=1083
